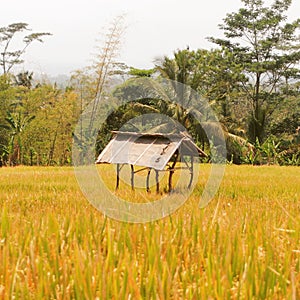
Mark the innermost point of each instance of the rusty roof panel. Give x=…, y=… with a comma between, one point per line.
x=149, y=150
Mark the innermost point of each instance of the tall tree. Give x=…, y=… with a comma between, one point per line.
x=267, y=47
x=48, y=138
x=7, y=97
x=212, y=73
x=10, y=57
x=182, y=69
x=105, y=62
x=16, y=125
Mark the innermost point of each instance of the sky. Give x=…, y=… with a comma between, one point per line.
x=153, y=29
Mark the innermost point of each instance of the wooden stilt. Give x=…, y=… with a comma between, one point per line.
x=157, y=181
x=191, y=171
x=170, y=179
x=118, y=176
x=172, y=171
x=147, y=181
x=132, y=177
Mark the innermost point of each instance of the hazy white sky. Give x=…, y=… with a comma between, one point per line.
x=154, y=28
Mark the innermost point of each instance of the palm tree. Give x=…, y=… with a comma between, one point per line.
x=211, y=74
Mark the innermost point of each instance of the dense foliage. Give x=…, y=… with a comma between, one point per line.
x=36, y=123
x=252, y=81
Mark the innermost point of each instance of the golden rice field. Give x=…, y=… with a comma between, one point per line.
x=244, y=245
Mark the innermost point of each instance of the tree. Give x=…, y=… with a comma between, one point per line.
x=105, y=63
x=16, y=125
x=212, y=73
x=141, y=72
x=7, y=97
x=215, y=76
x=268, y=49
x=9, y=57
x=48, y=138
x=93, y=82
x=24, y=79
x=182, y=70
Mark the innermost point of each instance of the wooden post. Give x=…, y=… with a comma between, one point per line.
x=118, y=176
x=157, y=181
x=191, y=171
x=147, y=181
x=170, y=179
x=172, y=171
x=132, y=177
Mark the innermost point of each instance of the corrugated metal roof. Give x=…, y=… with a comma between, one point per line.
x=148, y=150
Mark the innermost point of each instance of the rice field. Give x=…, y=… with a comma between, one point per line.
x=244, y=245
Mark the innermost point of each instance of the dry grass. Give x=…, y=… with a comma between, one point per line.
x=244, y=245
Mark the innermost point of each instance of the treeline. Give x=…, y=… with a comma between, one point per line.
x=251, y=80
x=36, y=122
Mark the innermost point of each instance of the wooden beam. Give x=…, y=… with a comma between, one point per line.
x=132, y=177
x=140, y=170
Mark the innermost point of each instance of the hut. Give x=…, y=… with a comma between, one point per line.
x=151, y=151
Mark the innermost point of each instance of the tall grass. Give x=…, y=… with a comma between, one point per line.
x=244, y=245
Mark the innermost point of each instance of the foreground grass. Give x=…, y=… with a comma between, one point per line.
x=244, y=245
